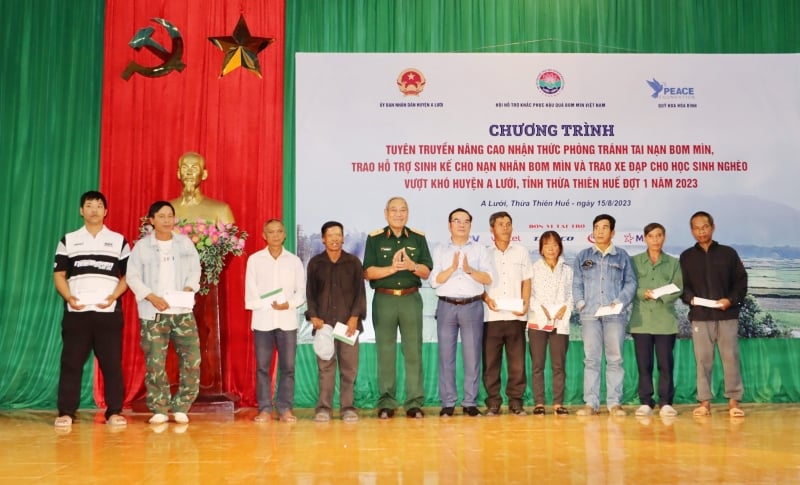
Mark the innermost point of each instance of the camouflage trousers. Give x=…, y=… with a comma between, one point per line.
x=155, y=338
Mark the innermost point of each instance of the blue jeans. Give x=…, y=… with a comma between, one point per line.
x=599, y=335
x=469, y=319
x=285, y=342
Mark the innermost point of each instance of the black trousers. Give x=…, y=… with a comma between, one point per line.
x=81, y=333
x=645, y=344
x=558, y=343
x=508, y=335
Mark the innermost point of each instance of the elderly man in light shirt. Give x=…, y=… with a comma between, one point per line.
x=275, y=286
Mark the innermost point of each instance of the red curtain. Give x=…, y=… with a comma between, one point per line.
x=234, y=121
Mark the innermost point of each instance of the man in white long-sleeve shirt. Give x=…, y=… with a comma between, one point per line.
x=275, y=285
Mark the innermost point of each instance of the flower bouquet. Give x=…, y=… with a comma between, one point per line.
x=214, y=242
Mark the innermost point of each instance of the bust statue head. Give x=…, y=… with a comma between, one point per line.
x=192, y=171
x=192, y=204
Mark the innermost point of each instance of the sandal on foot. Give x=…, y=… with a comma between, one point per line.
x=701, y=411
x=116, y=420
x=350, y=416
x=322, y=417
x=288, y=417
x=64, y=421
x=263, y=417
x=517, y=411
x=736, y=412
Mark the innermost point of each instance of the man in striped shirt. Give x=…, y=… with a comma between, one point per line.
x=89, y=274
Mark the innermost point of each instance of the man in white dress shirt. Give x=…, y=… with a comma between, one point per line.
x=505, y=326
x=275, y=285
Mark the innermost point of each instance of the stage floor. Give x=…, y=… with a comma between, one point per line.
x=763, y=447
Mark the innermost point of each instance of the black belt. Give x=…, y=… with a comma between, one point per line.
x=460, y=301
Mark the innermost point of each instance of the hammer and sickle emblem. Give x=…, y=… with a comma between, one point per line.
x=171, y=59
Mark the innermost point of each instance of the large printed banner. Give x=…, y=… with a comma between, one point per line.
x=555, y=139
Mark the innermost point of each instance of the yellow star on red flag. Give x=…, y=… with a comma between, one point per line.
x=241, y=49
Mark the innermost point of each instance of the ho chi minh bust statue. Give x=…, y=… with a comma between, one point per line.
x=192, y=204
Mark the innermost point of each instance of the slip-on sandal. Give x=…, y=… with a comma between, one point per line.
x=288, y=417
x=736, y=412
x=116, y=420
x=63, y=421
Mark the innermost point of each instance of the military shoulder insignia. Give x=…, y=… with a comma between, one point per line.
x=376, y=232
x=417, y=231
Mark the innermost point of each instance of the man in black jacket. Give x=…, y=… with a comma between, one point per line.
x=715, y=285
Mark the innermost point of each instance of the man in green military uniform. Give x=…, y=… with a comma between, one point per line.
x=396, y=260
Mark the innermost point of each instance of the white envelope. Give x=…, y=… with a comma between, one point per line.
x=509, y=304
x=92, y=298
x=179, y=299
x=608, y=310
x=666, y=290
x=705, y=302
x=340, y=333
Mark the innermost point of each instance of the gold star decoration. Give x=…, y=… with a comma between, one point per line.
x=241, y=49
